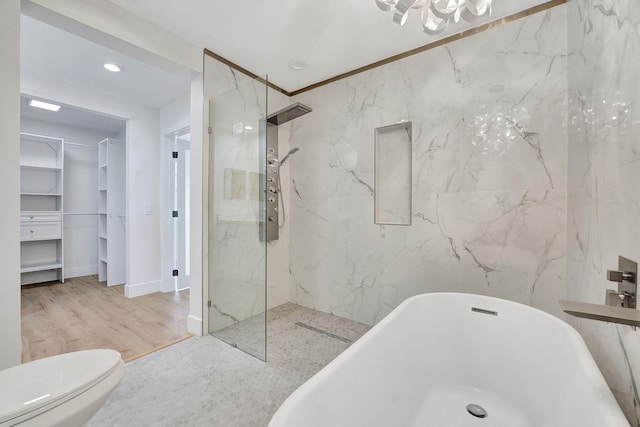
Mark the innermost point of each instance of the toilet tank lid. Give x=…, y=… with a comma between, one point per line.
x=27, y=387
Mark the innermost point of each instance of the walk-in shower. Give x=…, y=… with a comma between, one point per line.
x=274, y=198
x=245, y=204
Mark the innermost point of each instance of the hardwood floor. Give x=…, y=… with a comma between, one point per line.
x=82, y=314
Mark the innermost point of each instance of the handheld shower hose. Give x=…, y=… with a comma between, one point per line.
x=284, y=159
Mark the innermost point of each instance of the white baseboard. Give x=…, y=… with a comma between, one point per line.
x=194, y=325
x=132, y=291
x=86, y=270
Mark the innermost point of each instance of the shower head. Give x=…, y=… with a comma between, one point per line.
x=289, y=113
x=284, y=159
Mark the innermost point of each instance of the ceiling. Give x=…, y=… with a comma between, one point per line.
x=330, y=36
x=55, y=55
x=69, y=115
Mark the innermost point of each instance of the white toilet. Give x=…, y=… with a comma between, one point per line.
x=62, y=391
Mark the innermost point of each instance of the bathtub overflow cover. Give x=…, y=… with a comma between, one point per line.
x=476, y=410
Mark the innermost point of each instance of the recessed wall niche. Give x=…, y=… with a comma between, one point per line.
x=393, y=149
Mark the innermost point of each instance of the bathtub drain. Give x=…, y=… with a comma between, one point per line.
x=476, y=410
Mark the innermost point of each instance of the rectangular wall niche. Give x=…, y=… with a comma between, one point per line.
x=393, y=174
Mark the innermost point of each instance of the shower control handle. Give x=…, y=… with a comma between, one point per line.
x=620, y=276
x=626, y=277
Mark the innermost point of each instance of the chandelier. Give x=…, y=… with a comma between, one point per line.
x=436, y=14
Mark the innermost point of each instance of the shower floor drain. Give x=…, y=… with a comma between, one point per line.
x=476, y=410
x=323, y=332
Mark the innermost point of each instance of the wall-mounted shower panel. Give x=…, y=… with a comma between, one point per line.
x=393, y=174
x=271, y=185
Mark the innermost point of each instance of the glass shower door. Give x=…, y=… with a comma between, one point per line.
x=237, y=244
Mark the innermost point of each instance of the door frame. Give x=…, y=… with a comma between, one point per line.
x=167, y=282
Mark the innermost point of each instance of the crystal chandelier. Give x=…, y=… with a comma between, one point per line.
x=436, y=14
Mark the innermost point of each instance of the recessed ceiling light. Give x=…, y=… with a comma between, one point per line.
x=297, y=65
x=43, y=105
x=247, y=127
x=112, y=67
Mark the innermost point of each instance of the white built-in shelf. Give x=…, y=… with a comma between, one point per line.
x=40, y=213
x=32, y=267
x=41, y=205
x=41, y=194
x=41, y=168
x=111, y=204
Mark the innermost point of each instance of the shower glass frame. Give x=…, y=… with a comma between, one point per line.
x=237, y=277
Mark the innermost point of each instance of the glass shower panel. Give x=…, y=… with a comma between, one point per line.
x=237, y=244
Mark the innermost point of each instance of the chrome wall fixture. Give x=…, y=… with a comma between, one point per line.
x=620, y=305
x=437, y=14
x=626, y=278
x=272, y=175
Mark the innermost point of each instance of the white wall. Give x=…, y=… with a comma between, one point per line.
x=10, y=343
x=80, y=192
x=143, y=189
x=176, y=115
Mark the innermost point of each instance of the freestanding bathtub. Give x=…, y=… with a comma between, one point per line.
x=457, y=360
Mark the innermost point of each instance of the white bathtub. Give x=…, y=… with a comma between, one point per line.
x=433, y=355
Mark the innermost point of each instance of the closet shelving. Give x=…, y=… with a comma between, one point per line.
x=111, y=212
x=41, y=206
x=103, y=164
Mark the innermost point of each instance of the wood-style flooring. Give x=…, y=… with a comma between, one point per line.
x=82, y=314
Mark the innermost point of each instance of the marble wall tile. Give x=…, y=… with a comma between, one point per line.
x=514, y=106
x=617, y=206
x=510, y=184
x=512, y=245
x=603, y=172
x=309, y=250
x=424, y=257
x=356, y=261
x=310, y=133
x=616, y=89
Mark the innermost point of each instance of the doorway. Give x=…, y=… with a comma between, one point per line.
x=150, y=100
x=178, y=150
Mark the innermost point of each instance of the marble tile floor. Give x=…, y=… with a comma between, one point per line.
x=247, y=335
x=204, y=382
